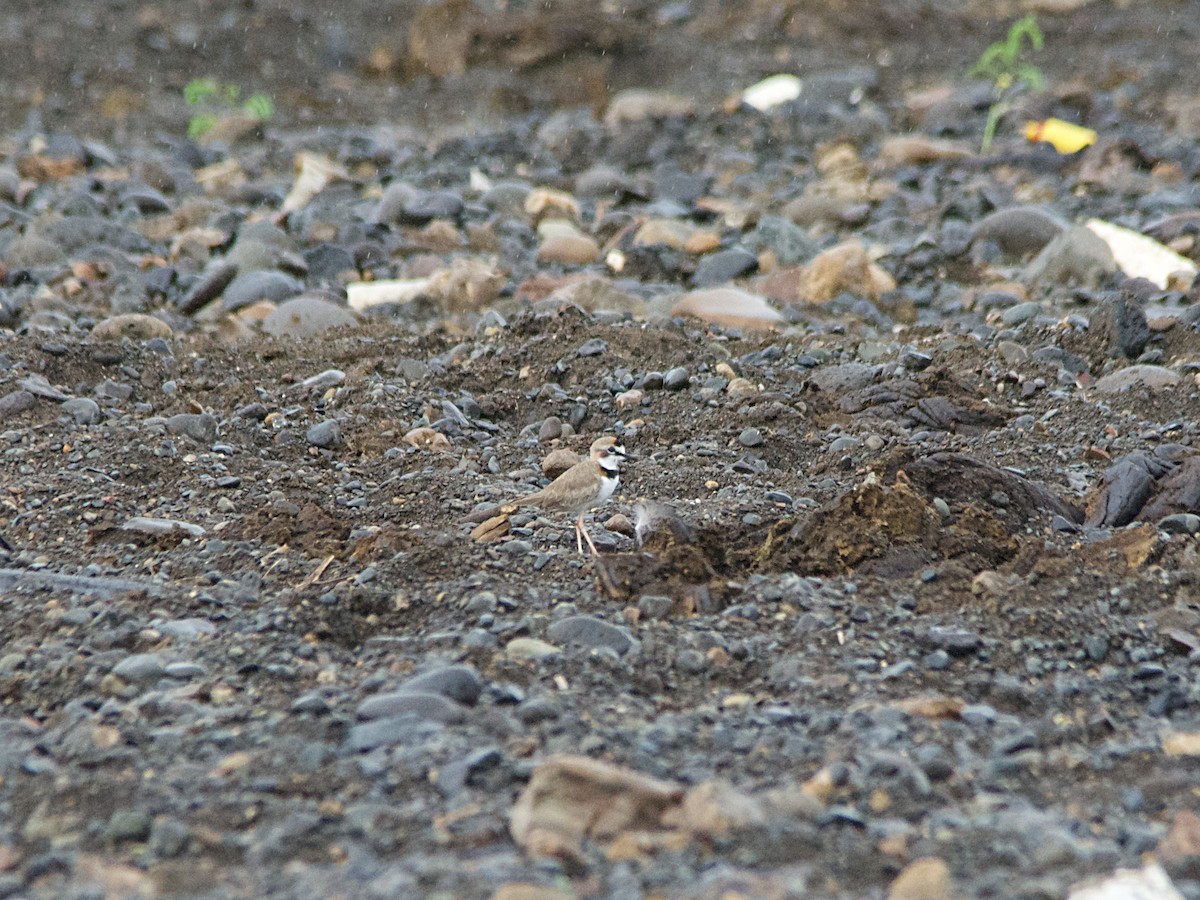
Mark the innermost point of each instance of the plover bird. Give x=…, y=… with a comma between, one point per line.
x=586, y=485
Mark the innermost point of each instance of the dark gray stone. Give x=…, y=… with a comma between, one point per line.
x=588, y=631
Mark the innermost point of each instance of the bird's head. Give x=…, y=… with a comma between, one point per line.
x=608, y=454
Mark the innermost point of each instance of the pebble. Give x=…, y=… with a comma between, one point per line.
x=751, y=437
x=1019, y=230
x=724, y=266
x=251, y=287
x=1152, y=377
x=421, y=703
x=140, y=667
x=14, y=403
x=83, y=410
x=1021, y=312
x=568, y=248
x=591, y=632
x=676, y=379
x=135, y=326
x=530, y=649
x=307, y=316
x=1180, y=523
x=927, y=878
x=789, y=242
x=460, y=683
x=326, y=434
x=846, y=268
x=200, y=427
x=730, y=307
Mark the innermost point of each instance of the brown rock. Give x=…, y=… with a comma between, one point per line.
x=572, y=248
x=915, y=149
x=846, y=267
x=730, y=307
x=427, y=439
x=634, y=105
x=549, y=203
x=135, y=326
x=570, y=799
x=1182, y=842
x=703, y=242
x=923, y=879
x=670, y=232
x=526, y=891
x=558, y=461
x=468, y=284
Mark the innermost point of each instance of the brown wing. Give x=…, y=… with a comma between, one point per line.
x=564, y=492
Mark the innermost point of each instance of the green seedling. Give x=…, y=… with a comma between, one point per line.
x=212, y=99
x=1004, y=65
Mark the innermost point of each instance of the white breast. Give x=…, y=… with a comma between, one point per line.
x=607, y=486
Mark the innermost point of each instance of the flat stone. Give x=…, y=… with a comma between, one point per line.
x=423, y=704
x=730, y=307
x=460, y=683
x=307, y=316
x=589, y=631
x=15, y=403
x=531, y=649
x=724, y=265
x=200, y=427
x=140, y=667
x=135, y=326
x=1019, y=230
x=1153, y=377
x=251, y=287
x=150, y=525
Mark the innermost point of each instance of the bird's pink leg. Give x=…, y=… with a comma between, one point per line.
x=581, y=532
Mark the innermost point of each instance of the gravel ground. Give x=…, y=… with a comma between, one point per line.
x=898, y=595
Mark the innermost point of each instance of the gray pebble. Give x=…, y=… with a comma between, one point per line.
x=723, y=266
x=83, y=409
x=184, y=671
x=384, y=732
x=589, y=631
x=1180, y=523
x=140, y=667
x=460, y=683
x=654, y=606
x=676, y=379
x=551, y=429
x=128, y=825
x=593, y=347
x=311, y=703
x=1021, y=312
x=325, y=434
x=200, y=427
x=15, y=403
x=423, y=704
x=937, y=660
x=751, y=437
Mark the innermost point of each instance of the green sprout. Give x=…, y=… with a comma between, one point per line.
x=1009, y=73
x=212, y=98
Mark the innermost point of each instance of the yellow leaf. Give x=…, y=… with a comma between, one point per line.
x=1065, y=137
